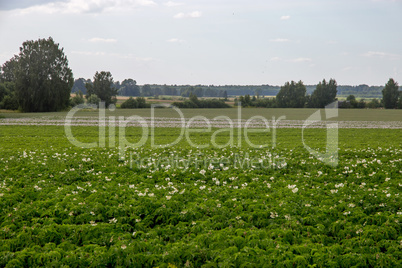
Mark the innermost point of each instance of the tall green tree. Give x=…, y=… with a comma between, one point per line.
x=194, y=99
x=390, y=94
x=7, y=71
x=102, y=87
x=292, y=95
x=324, y=94
x=129, y=87
x=43, y=80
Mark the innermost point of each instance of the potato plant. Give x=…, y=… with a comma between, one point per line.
x=67, y=206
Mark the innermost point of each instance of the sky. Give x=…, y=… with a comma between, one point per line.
x=220, y=42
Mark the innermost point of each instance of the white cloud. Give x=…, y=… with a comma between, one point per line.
x=145, y=3
x=275, y=59
x=102, y=40
x=173, y=4
x=194, y=14
x=175, y=40
x=286, y=17
x=87, y=6
x=301, y=60
x=179, y=15
x=280, y=40
x=383, y=55
x=374, y=53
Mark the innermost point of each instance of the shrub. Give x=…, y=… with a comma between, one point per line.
x=9, y=102
x=194, y=102
x=374, y=103
x=132, y=103
x=77, y=99
x=93, y=99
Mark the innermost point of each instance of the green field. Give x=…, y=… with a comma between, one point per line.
x=246, y=113
x=184, y=206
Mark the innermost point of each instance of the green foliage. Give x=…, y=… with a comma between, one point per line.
x=169, y=90
x=132, y=103
x=43, y=80
x=102, y=87
x=361, y=104
x=79, y=85
x=129, y=88
x=188, y=91
x=292, y=95
x=3, y=91
x=351, y=98
x=84, y=207
x=9, y=102
x=390, y=94
x=324, y=94
x=360, y=91
x=146, y=90
x=77, y=99
x=194, y=102
x=8, y=99
x=350, y=102
x=141, y=102
x=400, y=100
x=374, y=104
x=247, y=101
x=94, y=99
x=8, y=70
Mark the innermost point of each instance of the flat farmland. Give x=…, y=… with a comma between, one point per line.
x=215, y=198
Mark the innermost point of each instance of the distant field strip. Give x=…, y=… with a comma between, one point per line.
x=199, y=123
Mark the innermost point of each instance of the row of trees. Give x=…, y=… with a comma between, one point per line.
x=194, y=102
x=351, y=103
x=130, y=88
x=293, y=95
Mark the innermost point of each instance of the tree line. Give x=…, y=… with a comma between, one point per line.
x=294, y=95
x=39, y=79
x=129, y=87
